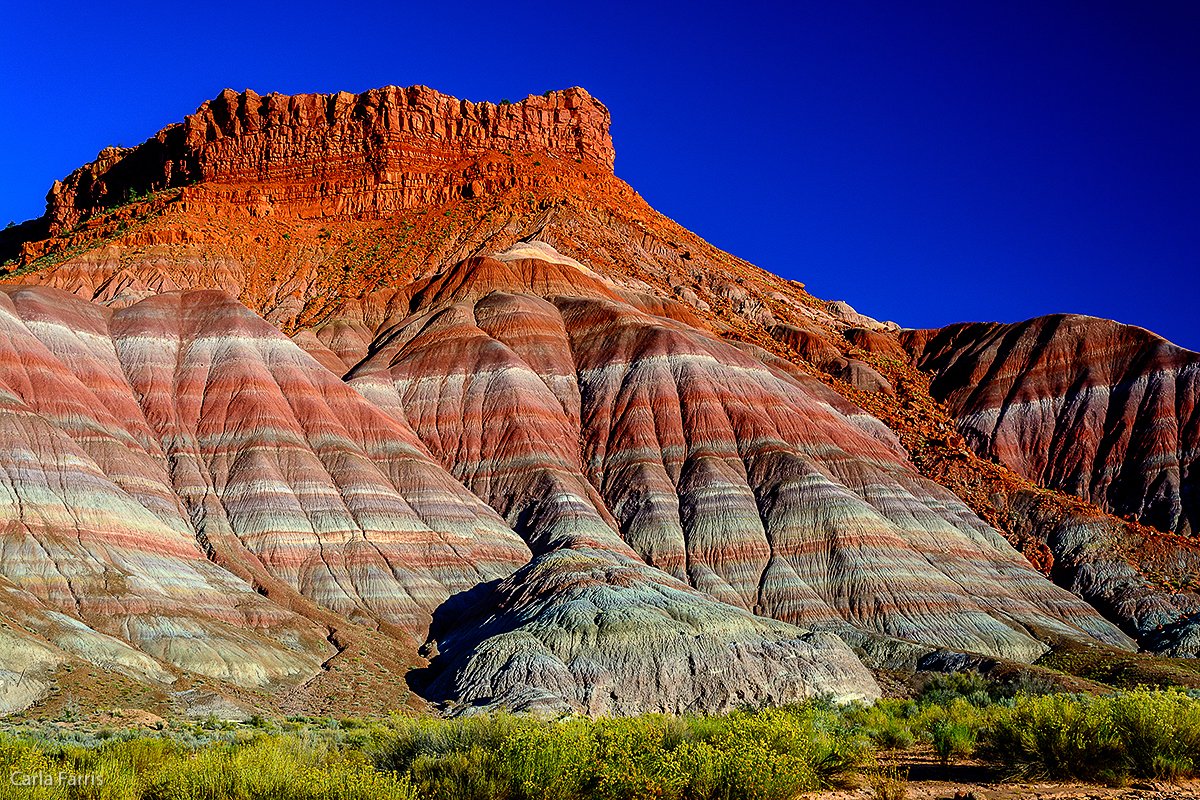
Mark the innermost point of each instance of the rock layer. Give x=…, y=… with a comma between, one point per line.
x=633, y=440
x=1104, y=411
x=551, y=483
x=336, y=154
x=592, y=463
x=143, y=445
x=184, y=430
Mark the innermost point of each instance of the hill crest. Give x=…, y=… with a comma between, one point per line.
x=316, y=155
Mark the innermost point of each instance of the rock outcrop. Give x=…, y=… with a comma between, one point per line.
x=163, y=462
x=1104, y=411
x=400, y=369
x=314, y=155
x=1093, y=557
x=815, y=346
x=166, y=460
x=549, y=487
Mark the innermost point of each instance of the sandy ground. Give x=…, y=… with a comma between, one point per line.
x=947, y=790
x=929, y=780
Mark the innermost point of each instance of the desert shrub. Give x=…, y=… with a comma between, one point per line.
x=632, y=762
x=887, y=781
x=153, y=768
x=892, y=734
x=971, y=686
x=702, y=728
x=766, y=755
x=283, y=767
x=750, y=770
x=950, y=723
x=470, y=774
x=116, y=780
x=433, y=738
x=886, y=723
x=549, y=761
x=1056, y=737
x=952, y=740
x=796, y=749
x=1159, y=732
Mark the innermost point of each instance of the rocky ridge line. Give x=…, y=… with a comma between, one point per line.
x=315, y=155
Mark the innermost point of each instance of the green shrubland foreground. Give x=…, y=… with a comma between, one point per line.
x=767, y=754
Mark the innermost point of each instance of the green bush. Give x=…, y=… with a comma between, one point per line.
x=153, y=768
x=1159, y=733
x=892, y=734
x=433, y=738
x=771, y=754
x=1055, y=736
x=458, y=775
x=973, y=687
x=631, y=760
x=766, y=755
x=952, y=740
x=1140, y=734
x=549, y=762
x=886, y=723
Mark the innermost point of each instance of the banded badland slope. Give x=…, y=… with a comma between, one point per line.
x=323, y=400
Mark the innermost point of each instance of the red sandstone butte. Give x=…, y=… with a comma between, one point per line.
x=312, y=154
x=425, y=368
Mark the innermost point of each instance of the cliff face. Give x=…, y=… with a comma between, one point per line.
x=400, y=366
x=313, y=155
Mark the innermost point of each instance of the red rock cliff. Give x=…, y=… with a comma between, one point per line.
x=315, y=155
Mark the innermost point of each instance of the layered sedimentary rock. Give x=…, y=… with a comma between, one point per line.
x=815, y=346
x=550, y=482
x=144, y=445
x=590, y=462
x=1103, y=411
x=167, y=459
x=93, y=527
x=341, y=153
x=1096, y=557
x=612, y=439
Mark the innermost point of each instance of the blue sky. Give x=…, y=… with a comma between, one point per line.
x=928, y=162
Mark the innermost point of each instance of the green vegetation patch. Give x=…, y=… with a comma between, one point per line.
x=1140, y=734
x=768, y=754
x=1120, y=669
x=765, y=754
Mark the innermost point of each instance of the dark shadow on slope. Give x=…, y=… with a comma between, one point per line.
x=446, y=617
x=11, y=239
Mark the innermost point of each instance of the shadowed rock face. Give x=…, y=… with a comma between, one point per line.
x=1104, y=411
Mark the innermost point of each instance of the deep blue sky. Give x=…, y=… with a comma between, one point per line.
x=928, y=162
